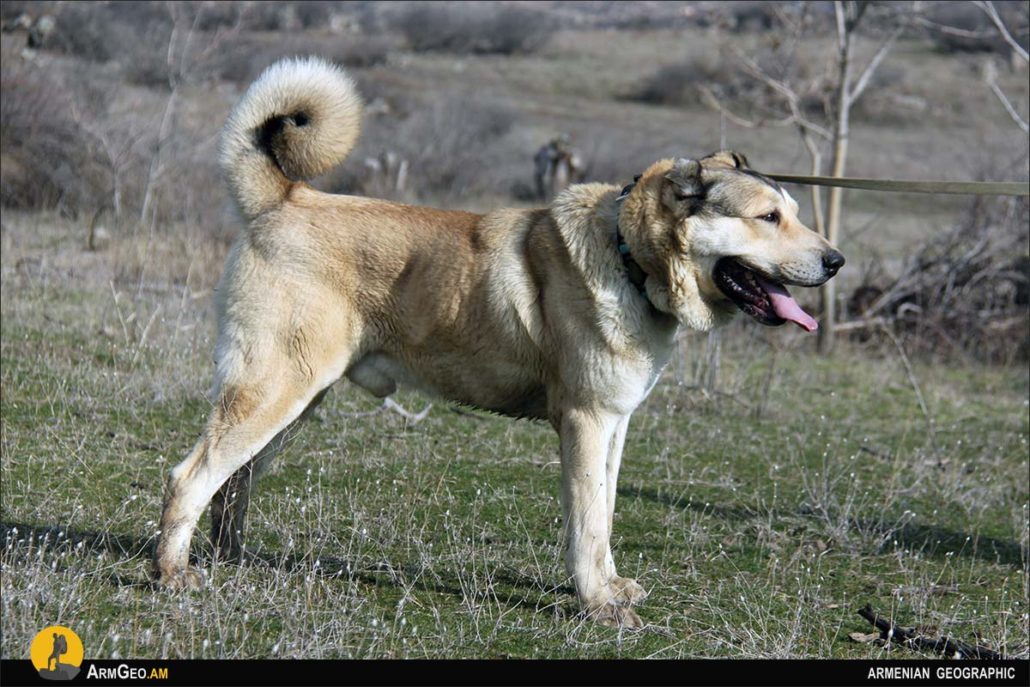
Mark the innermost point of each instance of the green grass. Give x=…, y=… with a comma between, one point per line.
x=760, y=516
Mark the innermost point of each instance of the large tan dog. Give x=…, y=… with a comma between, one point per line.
x=566, y=313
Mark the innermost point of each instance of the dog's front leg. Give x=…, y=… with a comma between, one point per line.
x=626, y=590
x=588, y=438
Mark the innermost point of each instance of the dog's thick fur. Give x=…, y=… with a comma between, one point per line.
x=528, y=313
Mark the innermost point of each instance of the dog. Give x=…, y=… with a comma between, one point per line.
x=566, y=313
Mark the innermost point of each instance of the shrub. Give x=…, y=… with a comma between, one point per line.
x=468, y=28
x=679, y=83
x=454, y=149
x=242, y=60
x=313, y=14
x=47, y=161
x=85, y=30
x=976, y=32
x=964, y=290
x=134, y=34
x=447, y=144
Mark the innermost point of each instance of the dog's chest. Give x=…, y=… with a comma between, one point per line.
x=618, y=383
x=622, y=370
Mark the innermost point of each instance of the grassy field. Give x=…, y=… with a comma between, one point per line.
x=760, y=514
x=760, y=510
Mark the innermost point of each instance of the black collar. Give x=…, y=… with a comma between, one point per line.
x=636, y=274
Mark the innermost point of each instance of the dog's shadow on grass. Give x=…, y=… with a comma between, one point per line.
x=508, y=585
x=938, y=542
x=20, y=540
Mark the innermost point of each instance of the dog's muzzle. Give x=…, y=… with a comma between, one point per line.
x=761, y=297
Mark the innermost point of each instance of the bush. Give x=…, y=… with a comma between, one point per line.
x=46, y=158
x=135, y=34
x=447, y=146
x=965, y=290
x=312, y=14
x=274, y=16
x=679, y=83
x=468, y=28
x=73, y=140
x=979, y=33
x=244, y=59
x=454, y=149
x=84, y=30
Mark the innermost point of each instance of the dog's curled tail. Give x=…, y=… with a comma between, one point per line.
x=298, y=120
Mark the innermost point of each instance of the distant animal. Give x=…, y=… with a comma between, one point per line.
x=37, y=29
x=567, y=313
x=555, y=166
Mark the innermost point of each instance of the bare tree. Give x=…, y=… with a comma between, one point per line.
x=181, y=58
x=848, y=16
x=787, y=94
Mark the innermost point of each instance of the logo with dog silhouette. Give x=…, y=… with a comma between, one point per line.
x=56, y=653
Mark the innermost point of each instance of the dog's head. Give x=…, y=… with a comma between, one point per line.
x=714, y=236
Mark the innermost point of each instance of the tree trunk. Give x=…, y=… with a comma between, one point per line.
x=828, y=295
x=818, y=217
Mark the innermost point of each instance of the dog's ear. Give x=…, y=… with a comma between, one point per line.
x=727, y=158
x=685, y=176
x=683, y=191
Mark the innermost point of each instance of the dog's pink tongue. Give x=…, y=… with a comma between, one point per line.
x=786, y=307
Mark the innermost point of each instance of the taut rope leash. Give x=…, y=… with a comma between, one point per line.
x=977, y=188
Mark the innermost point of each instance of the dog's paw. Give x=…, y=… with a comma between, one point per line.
x=183, y=578
x=620, y=617
x=626, y=591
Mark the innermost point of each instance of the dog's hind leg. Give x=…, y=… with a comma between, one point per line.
x=247, y=417
x=229, y=505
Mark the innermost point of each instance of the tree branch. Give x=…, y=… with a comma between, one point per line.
x=391, y=405
x=874, y=63
x=950, y=30
x=914, y=638
x=711, y=100
x=791, y=96
x=842, y=31
x=818, y=217
x=860, y=8
x=989, y=77
x=992, y=13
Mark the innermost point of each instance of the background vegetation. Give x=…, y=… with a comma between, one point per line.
x=767, y=493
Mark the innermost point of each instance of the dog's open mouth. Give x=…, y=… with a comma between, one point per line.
x=767, y=301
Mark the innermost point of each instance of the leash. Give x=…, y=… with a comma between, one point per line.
x=976, y=188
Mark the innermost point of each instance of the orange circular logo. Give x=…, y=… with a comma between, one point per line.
x=56, y=653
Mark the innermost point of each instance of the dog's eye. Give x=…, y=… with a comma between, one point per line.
x=773, y=217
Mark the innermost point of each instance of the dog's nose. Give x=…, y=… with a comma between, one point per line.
x=832, y=261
